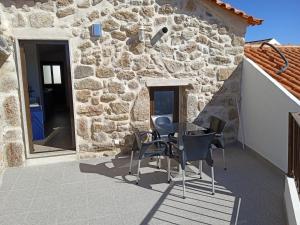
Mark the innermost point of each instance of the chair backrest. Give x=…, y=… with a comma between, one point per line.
x=159, y=121
x=216, y=125
x=197, y=147
x=166, y=118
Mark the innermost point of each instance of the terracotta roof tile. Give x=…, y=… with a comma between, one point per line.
x=271, y=62
x=250, y=19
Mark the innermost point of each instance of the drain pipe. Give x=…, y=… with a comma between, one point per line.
x=282, y=69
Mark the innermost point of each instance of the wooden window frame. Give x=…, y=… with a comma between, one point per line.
x=176, y=100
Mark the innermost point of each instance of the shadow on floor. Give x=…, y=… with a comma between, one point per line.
x=243, y=193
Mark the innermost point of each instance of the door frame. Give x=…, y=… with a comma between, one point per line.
x=22, y=95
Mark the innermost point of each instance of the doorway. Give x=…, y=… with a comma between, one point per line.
x=48, y=95
x=164, y=101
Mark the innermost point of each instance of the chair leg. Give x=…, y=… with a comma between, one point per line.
x=158, y=162
x=183, y=183
x=138, y=172
x=200, y=168
x=224, y=159
x=169, y=168
x=213, y=180
x=131, y=158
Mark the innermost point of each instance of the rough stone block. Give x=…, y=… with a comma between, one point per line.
x=19, y=20
x=63, y=12
x=141, y=108
x=104, y=72
x=8, y=82
x=11, y=111
x=107, y=127
x=116, y=87
x=173, y=66
x=88, y=83
x=108, y=97
x=12, y=135
x=125, y=75
x=94, y=15
x=41, y=19
x=83, y=95
x=118, y=35
x=119, y=107
x=83, y=128
x=14, y=154
x=90, y=110
x=128, y=96
x=126, y=16
x=219, y=60
x=224, y=73
x=83, y=3
x=83, y=71
x=133, y=84
x=61, y=3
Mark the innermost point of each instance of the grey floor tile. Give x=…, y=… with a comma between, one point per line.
x=16, y=202
x=97, y=205
x=13, y=219
x=73, y=188
x=44, y=217
x=75, y=222
x=72, y=213
x=68, y=200
x=44, y=203
x=100, y=191
x=107, y=220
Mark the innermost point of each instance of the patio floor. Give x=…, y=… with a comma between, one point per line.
x=100, y=191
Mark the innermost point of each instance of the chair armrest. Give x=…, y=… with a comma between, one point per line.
x=175, y=145
x=156, y=141
x=219, y=135
x=145, y=132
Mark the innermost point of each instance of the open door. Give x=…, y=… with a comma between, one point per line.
x=47, y=96
x=26, y=96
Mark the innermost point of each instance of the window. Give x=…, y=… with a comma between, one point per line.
x=47, y=74
x=52, y=74
x=165, y=100
x=56, y=74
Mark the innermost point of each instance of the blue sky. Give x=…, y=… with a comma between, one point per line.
x=281, y=19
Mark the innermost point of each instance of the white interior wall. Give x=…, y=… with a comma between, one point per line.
x=265, y=105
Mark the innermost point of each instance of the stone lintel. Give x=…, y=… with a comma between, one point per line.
x=166, y=82
x=42, y=34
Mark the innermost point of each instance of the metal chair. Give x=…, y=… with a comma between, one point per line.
x=161, y=125
x=217, y=126
x=195, y=148
x=148, y=149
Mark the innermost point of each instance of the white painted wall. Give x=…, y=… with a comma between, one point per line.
x=265, y=105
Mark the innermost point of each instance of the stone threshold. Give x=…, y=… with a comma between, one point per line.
x=44, y=159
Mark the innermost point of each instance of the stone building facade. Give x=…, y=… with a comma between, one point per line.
x=111, y=75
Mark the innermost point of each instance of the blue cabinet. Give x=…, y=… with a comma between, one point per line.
x=37, y=122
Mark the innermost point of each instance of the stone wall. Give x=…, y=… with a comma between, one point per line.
x=11, y=141
x=204, y=44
